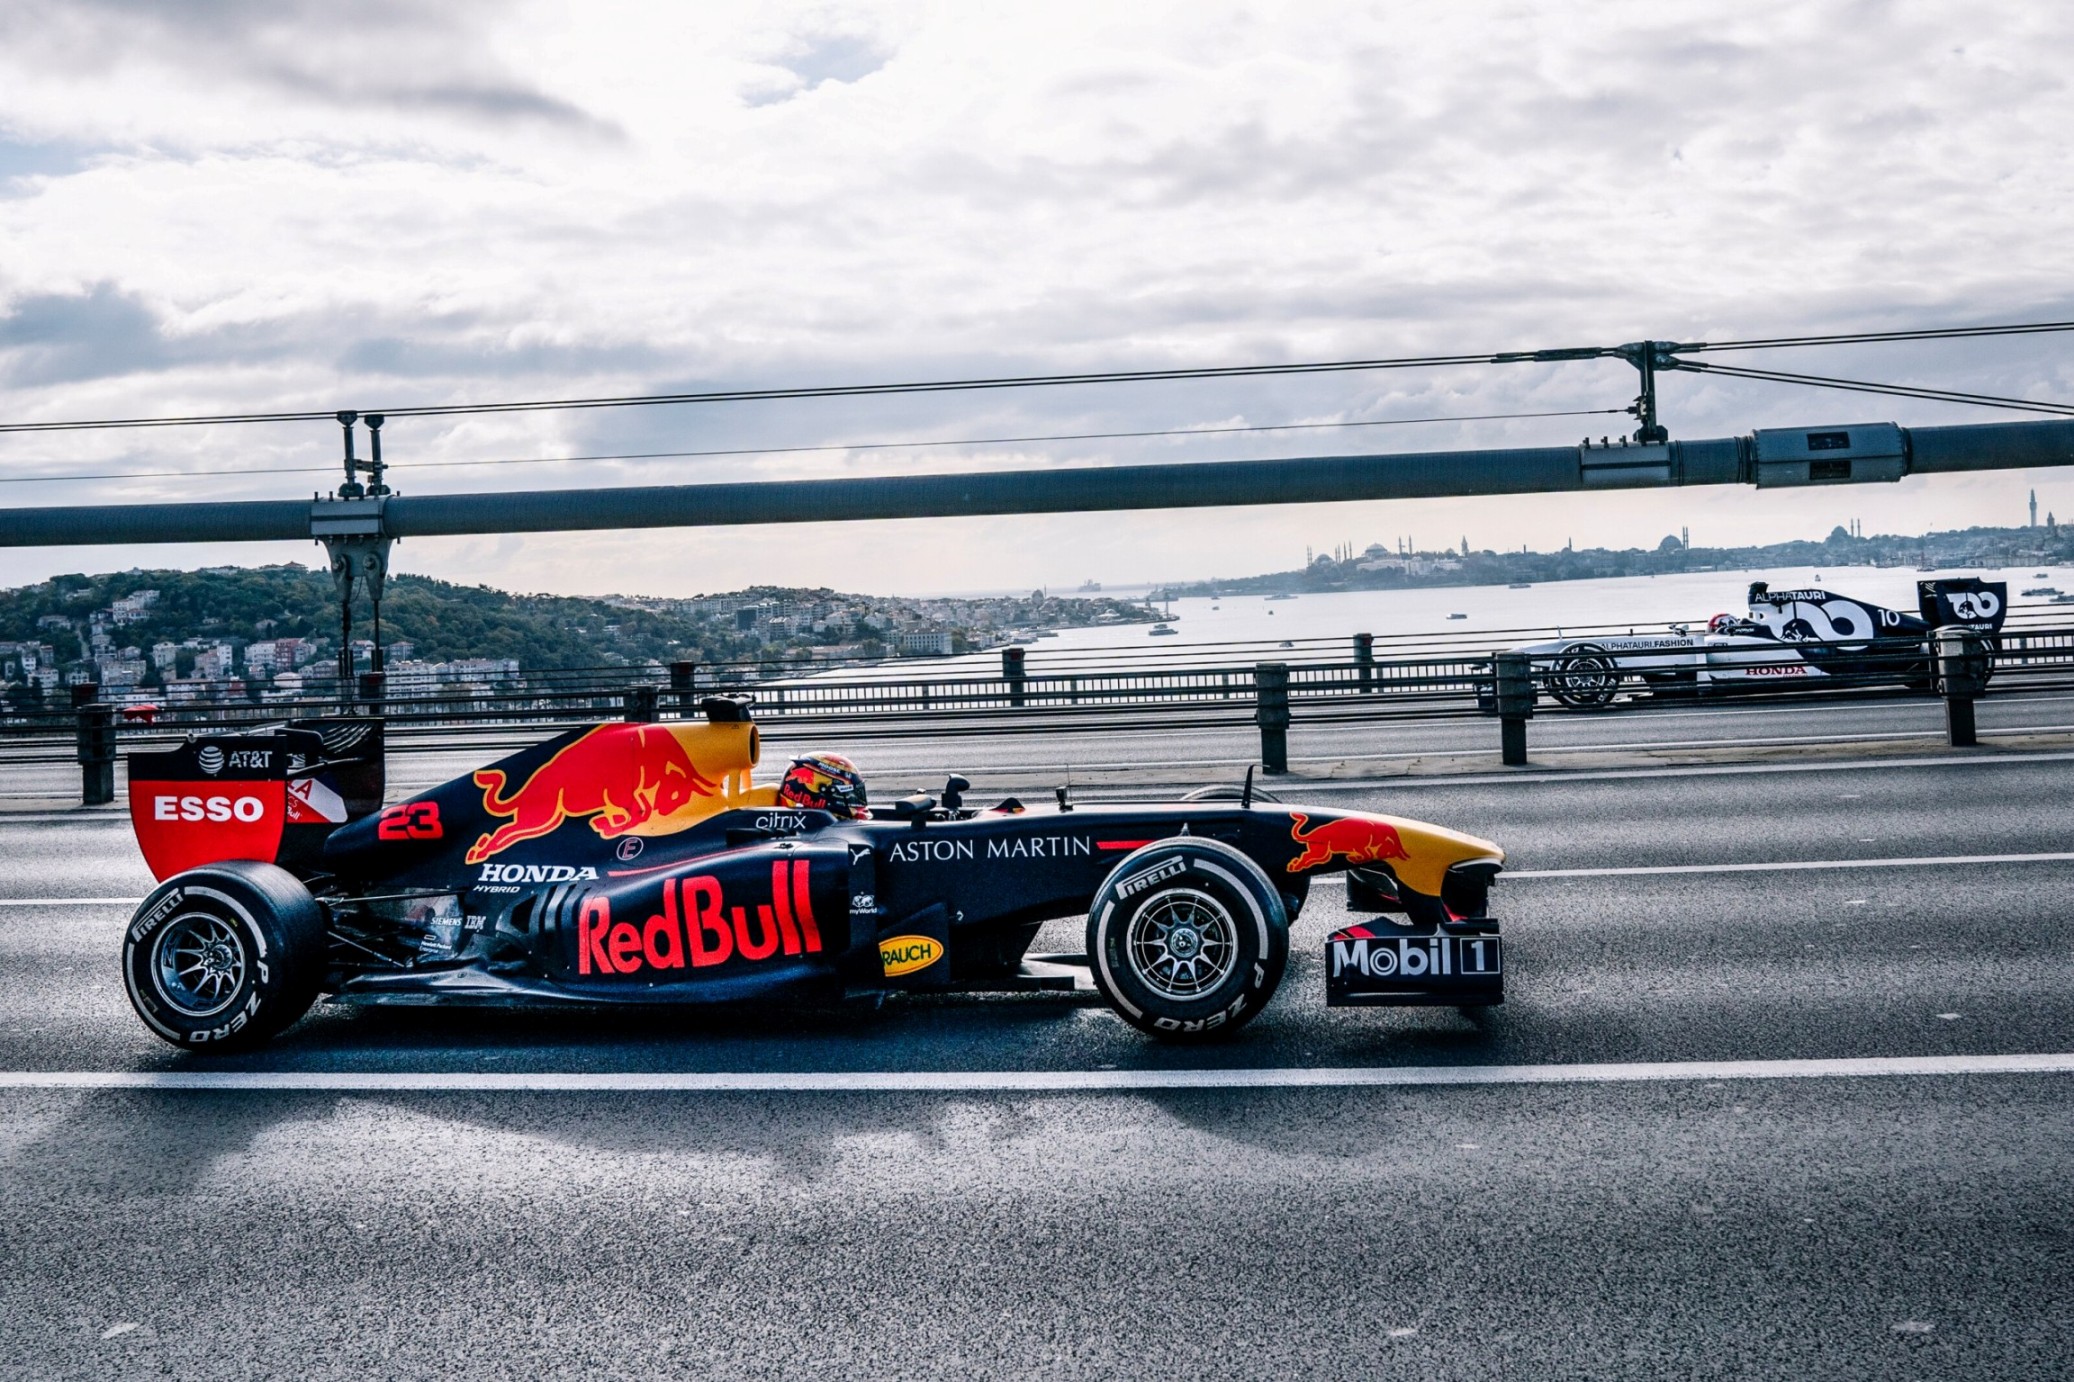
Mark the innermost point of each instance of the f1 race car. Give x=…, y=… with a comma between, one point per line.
x=1788, y=637
x=635, y=863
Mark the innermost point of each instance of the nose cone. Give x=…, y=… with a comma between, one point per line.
x=1434, y=849
x=1419, y=837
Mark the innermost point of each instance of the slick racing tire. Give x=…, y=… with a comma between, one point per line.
x=1585, y=677
x=223, y=957
x=1187, y=939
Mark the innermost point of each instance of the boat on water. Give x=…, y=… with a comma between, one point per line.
x=1162, y=631
x=2063, y=599
x=1458, y=616
x=1521, y=585
x=2043, y=590
x=1281, y=597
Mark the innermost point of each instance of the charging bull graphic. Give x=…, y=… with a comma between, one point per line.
x=1351, y=838
x=623, y=776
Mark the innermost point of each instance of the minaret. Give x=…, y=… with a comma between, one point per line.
x=2034, y=508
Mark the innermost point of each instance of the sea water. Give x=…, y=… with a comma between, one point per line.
x=1247, y=628
x=1687, y=597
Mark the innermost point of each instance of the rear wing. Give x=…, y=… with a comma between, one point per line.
x=1966, y=600
x=273, y=794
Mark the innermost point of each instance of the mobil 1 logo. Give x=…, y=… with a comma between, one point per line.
x=1362, y=967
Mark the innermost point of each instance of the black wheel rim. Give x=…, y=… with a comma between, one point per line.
x=198, y=964
x=1183, y=944
x=1585, y=681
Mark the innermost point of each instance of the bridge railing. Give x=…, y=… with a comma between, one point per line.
x=1314, y=683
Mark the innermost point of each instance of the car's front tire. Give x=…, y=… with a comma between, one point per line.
x=223, y=957
x=1188, y=938
x=1585, y=677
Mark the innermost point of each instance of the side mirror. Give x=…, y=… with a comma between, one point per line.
x=954, y=789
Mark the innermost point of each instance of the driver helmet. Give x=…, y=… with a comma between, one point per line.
x=823, y=782
x=1720, y=623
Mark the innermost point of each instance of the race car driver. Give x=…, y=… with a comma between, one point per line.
x=824, y=782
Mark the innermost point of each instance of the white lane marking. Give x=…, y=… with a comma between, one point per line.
x=1783, y=866
x=1744, y=712
x=69, y=901
x=1560, y=777
x=1031, y=1081
x=1471, y=743
x=1785, y=741
x=1472, y=740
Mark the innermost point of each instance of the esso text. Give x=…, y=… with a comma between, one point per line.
x=246, y=809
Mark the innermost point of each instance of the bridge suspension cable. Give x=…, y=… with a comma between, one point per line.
x=1029, y=381
x=826, y=447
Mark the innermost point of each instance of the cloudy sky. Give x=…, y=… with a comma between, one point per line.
x=289, y=204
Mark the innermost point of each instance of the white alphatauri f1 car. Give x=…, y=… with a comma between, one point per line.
x=1788, y=637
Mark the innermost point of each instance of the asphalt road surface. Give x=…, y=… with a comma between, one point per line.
x=1668, y=1222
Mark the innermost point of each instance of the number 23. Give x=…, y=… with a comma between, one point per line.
x=410, y=820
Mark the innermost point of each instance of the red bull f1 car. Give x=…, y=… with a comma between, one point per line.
x=1788, y=638
x=637, y=863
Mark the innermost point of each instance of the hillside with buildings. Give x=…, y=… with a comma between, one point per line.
x=1383, y=568
x=271, y=633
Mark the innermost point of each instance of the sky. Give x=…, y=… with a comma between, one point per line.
x=284, y=204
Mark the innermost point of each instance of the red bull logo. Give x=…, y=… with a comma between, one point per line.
x=1351, y=838
x=622, y=776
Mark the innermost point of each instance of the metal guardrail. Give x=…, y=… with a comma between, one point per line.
x=1955, y=663
x=1031, y=677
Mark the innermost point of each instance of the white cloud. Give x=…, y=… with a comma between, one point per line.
x=216, y=207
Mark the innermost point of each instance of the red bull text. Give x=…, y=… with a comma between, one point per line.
x=696, y=928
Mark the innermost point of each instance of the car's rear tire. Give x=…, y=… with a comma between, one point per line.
x=1188, y=938
x=221, y=958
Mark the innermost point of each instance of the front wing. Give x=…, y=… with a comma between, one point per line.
x=1376, y=964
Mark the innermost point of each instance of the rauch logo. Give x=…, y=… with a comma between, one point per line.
x=906, y=954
